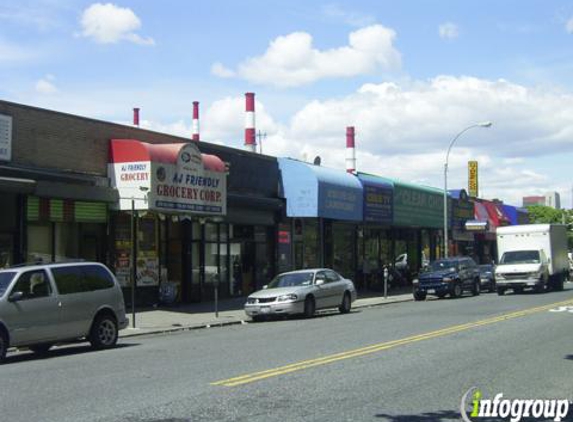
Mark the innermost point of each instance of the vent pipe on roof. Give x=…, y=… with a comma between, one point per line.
x=250, y=142
x=195, y=126
x=350, y=150
x=136, y=116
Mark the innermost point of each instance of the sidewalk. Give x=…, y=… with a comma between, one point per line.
x=202, y=315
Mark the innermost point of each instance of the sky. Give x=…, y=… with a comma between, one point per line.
x=408, y=75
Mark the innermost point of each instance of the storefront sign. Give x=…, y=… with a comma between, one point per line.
x=378, y=201
x=463, y=210
x=414, y=206
x=473, y=178
x=183, y=185
x=337, y=201
x=5, y=138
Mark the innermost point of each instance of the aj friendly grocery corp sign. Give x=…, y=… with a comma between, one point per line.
x=182, y=187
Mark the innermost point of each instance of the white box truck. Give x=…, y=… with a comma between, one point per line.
x=531, y=256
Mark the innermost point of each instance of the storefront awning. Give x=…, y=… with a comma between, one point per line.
x=315, y=191
x=378, y=198
x=174, y=178
x=496, y=214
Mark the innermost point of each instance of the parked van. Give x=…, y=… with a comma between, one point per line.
x=44, y=304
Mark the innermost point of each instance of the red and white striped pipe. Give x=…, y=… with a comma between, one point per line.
x=195, y=124
x=250, y=141
x=350, y=150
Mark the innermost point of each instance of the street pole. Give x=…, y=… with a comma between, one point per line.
x=446, y=240
x=133, y=262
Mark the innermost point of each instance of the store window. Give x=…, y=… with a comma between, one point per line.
x=39, y=242
x=310, y=244
x=343, y=249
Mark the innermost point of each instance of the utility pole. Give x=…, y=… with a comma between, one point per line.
x=261, y=136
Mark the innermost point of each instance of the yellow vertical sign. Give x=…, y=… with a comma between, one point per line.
x=473, y=178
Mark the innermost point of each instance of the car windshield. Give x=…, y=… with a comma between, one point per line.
x=5, y=279
x=292, y=279
x=520, y=257
x=485, y=268
x=443, y=265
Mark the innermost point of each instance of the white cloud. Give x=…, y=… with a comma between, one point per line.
x=402, y=129
x=292, y=60
x=569, y=26
x=221, y=71
x=109, y=24
x=46, y=85
x=335, y=12
x=448, y=31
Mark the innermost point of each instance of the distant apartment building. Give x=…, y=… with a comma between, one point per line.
x=553, y=200
x=533, y=200
x=550, y=199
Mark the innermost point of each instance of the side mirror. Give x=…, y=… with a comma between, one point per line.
x=16, y=296
x=319, y=282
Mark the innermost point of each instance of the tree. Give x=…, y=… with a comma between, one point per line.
x=540, y=214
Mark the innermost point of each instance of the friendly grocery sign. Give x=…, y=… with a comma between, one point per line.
x=183, y=185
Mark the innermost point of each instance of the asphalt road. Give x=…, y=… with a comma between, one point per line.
x=403, y=362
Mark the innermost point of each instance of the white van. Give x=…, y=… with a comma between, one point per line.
x=41, y=305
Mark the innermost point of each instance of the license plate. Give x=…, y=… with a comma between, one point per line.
x=264, y=310
x=431, y=291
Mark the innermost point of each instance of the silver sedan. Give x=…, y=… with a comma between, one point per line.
x=302, y=292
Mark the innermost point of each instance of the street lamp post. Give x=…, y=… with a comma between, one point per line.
x=143, y=189
x=482, y=124
x=133, y=261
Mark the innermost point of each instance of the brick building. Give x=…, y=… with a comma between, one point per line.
x=59, y=203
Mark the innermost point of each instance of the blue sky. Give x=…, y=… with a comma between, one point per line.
x=409, y=75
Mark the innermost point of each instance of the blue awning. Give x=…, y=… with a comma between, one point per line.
x=378, y=198
x=315, y=191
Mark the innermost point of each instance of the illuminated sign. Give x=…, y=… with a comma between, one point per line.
x=473, y=178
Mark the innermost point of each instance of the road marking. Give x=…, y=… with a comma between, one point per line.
x=562, y=309
x=310, y=363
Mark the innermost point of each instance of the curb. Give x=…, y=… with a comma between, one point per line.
x=218, y=324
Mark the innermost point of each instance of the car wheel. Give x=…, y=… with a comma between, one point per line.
x=419, y=295
x=476, y=289
x=257, y=318
x=103, y=333
x=500, y=291
x=346, y=304
x=309, y=307
x=3, y=345
x=41, y=349
x=456, y=291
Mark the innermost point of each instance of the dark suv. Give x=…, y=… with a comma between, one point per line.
x=448, y=275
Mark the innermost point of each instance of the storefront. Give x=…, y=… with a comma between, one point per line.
x=462, y=211
x=324, y=209
x=418, y=223
x=375, y=242
x=172, y=203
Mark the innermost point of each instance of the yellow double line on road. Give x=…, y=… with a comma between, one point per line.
x=305, y=364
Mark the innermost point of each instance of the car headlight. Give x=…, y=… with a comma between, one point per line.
x=535, y=274
x=415, y=281
x=447, y=279
x=251, y=300
x=286, y=298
